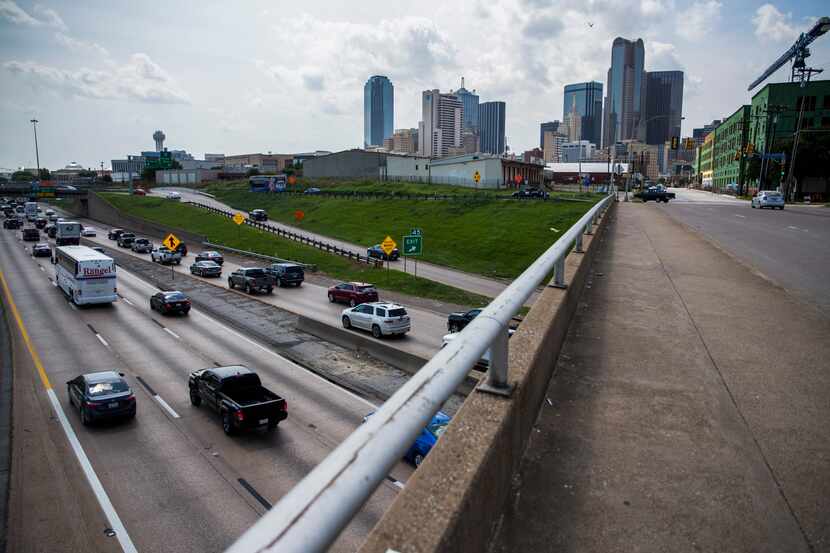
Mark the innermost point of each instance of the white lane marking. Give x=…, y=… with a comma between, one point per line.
x=41, y=267
x=98, y=489
x=792, y=227
x=101, y=339
x=741, y=216
x=72, y=305
x=166, y=407
x=171, y=333
x=126, y=300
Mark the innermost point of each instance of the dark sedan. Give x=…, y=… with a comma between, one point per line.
x=259, y=215
x=41, y=250
x=377, y=251
x=41, y=222
x=457, y=321
x=126, y=239
x=100, y=396
x=115, y=233
x=216, y=257
x=170, y=302
x=31, y=234
x=13, y=223
x=206, y=269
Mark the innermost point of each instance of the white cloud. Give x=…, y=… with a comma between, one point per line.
x=771, y=23
x=651, y=7
x=80, y=45
x=47, y=17
x=138, y=80
x=695, y=22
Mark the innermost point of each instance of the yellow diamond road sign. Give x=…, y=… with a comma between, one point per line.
x=238, y=218
x=171, y=241
x=477, y=177
x=388, y=245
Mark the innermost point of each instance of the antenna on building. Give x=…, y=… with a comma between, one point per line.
x=462, y=82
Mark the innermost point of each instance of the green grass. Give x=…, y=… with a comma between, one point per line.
x=492, y=238
x=222, y=230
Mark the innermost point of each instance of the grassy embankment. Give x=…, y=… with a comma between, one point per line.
x=488, y=237
x=222, y=230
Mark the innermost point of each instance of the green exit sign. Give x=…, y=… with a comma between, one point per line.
x=413, y=245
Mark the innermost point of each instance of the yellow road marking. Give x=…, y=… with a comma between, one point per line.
x=25, y=334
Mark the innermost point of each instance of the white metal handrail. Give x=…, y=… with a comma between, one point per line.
x=310, y=517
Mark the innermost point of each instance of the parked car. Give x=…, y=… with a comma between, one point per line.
x=139, y=192
x=163, y=255
x=41, y=222
x=353, y=293
x=377, y=251
x=13, y=223
x=100, y=396
x=206, y=269
x=173, y=196
x=655, y=193
x=51, y=230
x=216, y=257
x=251, y=280
x=31, y=234
x=382, y=319
x=287, y=274
x=312, y=190
x=427, y=439
x=113, y=234
x=89, y=231
x=126, y=239
x=531, y=193
x=259, y=215
x=768, y=198
x=170, y=302
x=142, y=245
x=41, y=250
x=237, y=394
x=458, y=320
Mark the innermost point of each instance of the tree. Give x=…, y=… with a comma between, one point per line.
x=44, y=174
x=21, y=176
x=87, y=173
x=149, y=174
x=107, y=178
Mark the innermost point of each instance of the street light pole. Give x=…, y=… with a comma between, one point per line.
x=34, y=123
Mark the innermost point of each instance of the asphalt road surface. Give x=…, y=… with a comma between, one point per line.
x=791, y=247
x=173, y=477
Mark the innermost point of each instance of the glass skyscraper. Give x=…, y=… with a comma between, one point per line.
x=491, y=121
x=586, y=100
x=470, y=102
x=626, y=86
x=378, y=110
x=663, y=106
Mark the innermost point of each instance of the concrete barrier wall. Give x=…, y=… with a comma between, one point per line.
x=455, y=500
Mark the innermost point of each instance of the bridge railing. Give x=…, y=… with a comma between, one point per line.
x=310, y=517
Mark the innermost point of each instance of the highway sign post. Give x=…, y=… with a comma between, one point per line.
x=238, y=218
x=172, y=242
x=388, y=245
x=477, y=177
x=413, y=245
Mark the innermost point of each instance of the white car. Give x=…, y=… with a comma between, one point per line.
x=173, y=196
x=381, y=318
x=88, y=231
x=768, y=198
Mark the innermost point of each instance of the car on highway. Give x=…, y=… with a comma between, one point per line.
x=139, y=192
x=377, y=251
x=181, y=249
x=206, y=269
x=41, y=250
x=216, y=257
x=19, y=209
x=259, y=215
x=101, y=396
x=655, y=193
x=51, y=230
x=380, y=318
x=312, y=190
x=237, y=394
x=31, y=234
x=126, y=239
x=353, y=293
x=167, y=303
x=12, y=223
x=50, y=212
x=41, y=222
x=427, y=439
x=458, y=320
x=768, y=198
x=163, y=255
x=52, y=218
x=173, y=196
x=89, y=231
x=142, y=245
x=113, y=234
x=251, y=279
x=286, y=274
x=530, y=194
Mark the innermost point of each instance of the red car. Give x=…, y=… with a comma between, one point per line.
x=353, y=293
x=139, y=192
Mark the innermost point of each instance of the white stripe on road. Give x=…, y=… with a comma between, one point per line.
x=72, y=305
x=792, y=227
x=171, y=333
x=166, y=407
x=126, y=300
x=103, y=499
x=101, y=339
x=41, y=268
x=741, y=216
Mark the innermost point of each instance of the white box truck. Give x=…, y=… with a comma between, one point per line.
x=67, y=233
x=30, y=210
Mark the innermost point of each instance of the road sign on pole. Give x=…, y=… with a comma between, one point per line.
x=413, y=245
x=238, y=218
x=171, y=242
x=415, y=232
x=477, y=177
x=388, y=245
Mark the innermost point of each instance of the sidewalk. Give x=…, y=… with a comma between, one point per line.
x=690, y=409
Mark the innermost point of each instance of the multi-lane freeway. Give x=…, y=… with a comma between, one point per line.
x=174, y=479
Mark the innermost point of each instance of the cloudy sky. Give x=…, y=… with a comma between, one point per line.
x=283, y=76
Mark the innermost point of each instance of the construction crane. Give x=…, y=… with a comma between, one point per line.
x=798, y=53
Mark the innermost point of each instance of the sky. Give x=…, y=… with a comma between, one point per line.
x=257, y=76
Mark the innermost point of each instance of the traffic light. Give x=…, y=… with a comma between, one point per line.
x=675, y=142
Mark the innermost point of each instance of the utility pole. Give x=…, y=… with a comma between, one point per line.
x=34, y=123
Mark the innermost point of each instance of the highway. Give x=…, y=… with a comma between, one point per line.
x=790, y=247
x=174, y=478
x=445, y=275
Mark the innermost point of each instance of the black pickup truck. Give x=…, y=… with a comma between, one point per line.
x=656, y=193
x=252, y=280
x=237, y=394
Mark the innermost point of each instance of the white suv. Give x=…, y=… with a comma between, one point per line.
x=380, y=318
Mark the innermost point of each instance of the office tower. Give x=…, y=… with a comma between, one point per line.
x=492, y=122
x=663, y=106
x=469, y=101
x=405, y=140
x=572, y=122
x=626, y=86
x=551, y=126
x=586, y=100
x=701, y=133
x=378, y=110
x=552, y=143
x=440, y=128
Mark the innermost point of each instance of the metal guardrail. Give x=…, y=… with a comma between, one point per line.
x=308, y=266
x=297, y=237
x=311, y=516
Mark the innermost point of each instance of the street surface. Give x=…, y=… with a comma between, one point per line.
x=174, y=478
x=688, y=411
x=791, y=246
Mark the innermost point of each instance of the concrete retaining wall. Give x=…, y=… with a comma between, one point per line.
x=455, y=500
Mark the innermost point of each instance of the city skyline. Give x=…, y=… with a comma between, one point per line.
x=295, y=86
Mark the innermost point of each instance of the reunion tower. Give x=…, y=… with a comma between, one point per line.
x=159, y=137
